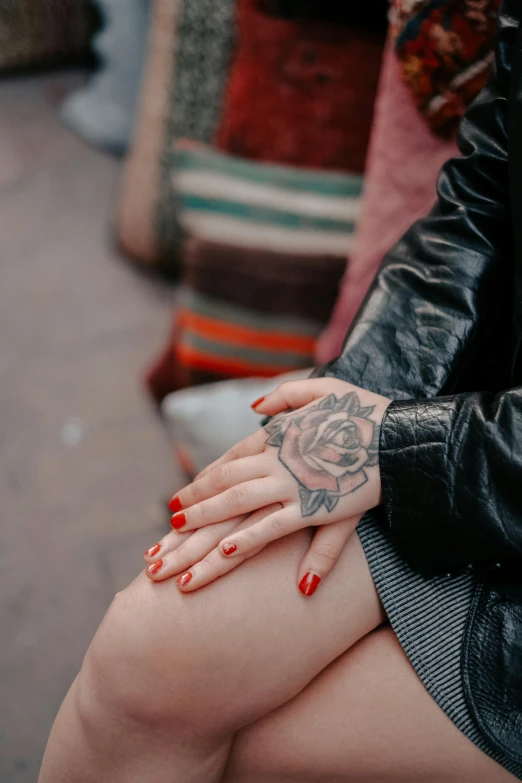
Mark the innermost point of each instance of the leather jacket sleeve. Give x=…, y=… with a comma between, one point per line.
x=451, y=472
x=422, y=325
x=431, y=302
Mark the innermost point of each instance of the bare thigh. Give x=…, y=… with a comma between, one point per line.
x=367, y=717
x=235, y=650
x=170, y=678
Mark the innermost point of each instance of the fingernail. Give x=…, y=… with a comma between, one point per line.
x=257, y=402
x=153, y=569
x=153, y=550
x=229, y=549
x=309, y=582
x=178, y=520
x=175, y=504
x=184, y=579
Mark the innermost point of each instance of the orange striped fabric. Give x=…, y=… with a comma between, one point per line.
x=225, y=366
x=238, y=334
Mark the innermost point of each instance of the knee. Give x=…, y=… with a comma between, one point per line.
x=148, y=664
x=202, y=661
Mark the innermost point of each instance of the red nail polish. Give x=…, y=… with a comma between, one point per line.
x=175, y=505
x=229, y=549
x=154, y=568
x=257, y=402
x=184, y=579
x=309, y=582
x=153, y=550
x=178, y=521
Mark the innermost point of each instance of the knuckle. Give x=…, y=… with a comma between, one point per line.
x=212, y=532
x=183, y=551
x=177, y=560
x=189, y=495
x=276, y=526
x=202, y=514
x=237, y=496
x=233, y=453
x=221, y=476
x=248, y=540
x=211, y=560
x=328, y=553
x=179, y=552
x=284, y=391
x=210, y=535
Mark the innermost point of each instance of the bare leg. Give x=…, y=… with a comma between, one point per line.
x=367, y=717
x=170, y=678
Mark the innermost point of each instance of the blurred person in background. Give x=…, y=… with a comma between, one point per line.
x=405, y=663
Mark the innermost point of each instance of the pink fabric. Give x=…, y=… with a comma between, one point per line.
x=404, y=159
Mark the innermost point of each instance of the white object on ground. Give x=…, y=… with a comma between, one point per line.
x=204, y=421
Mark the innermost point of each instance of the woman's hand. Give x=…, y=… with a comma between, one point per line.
x=198, y=551
x=324, y=552
x=196, y=560
x=318, y=464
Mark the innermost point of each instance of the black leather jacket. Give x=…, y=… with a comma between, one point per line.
x=440, y=332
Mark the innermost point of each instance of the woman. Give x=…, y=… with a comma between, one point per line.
x=250, y=680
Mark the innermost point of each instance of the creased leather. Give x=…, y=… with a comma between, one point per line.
x=441, y=323
x=497, y=708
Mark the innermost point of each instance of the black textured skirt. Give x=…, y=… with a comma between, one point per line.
x=428, y=616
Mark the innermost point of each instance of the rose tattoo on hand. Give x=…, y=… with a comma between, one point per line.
x=314, y=464
x=327, y=448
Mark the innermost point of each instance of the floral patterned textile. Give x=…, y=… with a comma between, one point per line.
x=445, y=48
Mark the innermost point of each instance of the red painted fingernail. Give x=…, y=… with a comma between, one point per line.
x=229, y=549
x=178, y=521
x=153, y=550
x=154, y=568
x=175, y=504
x=184, y=579
x=257, y=402
x=309, y=582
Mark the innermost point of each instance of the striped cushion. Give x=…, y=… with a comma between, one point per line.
x=265, y=253
x=233, y=341
x=235, y=201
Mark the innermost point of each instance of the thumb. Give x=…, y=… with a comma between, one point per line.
x=324, y=552
x=294, y=394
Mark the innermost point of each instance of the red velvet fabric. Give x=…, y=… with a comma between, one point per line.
x=300, y=92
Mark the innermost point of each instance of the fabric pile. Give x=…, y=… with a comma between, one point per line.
x=259, y=218
x=262, y=262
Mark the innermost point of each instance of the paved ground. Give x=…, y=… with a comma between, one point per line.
x=77, y=326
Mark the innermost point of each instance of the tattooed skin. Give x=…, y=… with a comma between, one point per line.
x=326, y=448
